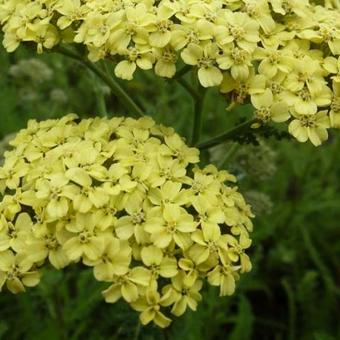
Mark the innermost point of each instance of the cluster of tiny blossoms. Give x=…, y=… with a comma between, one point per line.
x=122, y=196
x=282, y=55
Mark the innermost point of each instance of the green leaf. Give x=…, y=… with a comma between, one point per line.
x=244, y=322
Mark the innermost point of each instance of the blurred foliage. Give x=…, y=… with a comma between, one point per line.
x=293, y=290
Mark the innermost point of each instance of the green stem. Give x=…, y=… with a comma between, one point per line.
x=185, y=69
x=101, y=104
x=291, y=309
x=315, y=257
x=116, y=89
x=198, y=115
x=100, y=97
x=229, y=155
x=237, y=130
x=189, y=88
x=137, y=330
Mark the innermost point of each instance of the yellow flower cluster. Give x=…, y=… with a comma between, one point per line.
x=283, y=55
x=121, y=196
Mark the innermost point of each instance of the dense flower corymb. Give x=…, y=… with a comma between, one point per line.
x=245, y=47
x=119, y=195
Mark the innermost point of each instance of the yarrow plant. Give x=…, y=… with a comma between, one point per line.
x=282, y=56
x=125, y=197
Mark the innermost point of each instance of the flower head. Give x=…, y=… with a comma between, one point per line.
x=119, y=196
x=243, y=47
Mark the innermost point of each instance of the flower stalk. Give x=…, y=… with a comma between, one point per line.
x=228, y=135
x=198, y=118
x=116, y=89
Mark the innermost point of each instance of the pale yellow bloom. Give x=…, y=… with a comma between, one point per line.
x=127, y=285
x=312, y=127
x=334, y=113
x=267, y=109
x=149, y=306
x=184, y=296
x=241, y=46
x=204, y=58
x=16, y=272
x=146, y=224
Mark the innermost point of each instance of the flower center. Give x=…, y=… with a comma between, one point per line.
x=264, y=114
x=163, y=26
x=138, y=218
x=273, y=58
x=276, y=88
x=204, y=62
x=239, y=56
x=210, y=16
x=85, y=237
x=52, y=243
x=252, y=10
x=308, y=121
x=14, y=273
x=192, y=37
x=197, y=187
x=335, y=106
x=327, y=33
x=134, y=54
x=237, y=32
x=212, y=247
x=287, y=7
x=305, y=95
x=169, y=56
x=171, y=227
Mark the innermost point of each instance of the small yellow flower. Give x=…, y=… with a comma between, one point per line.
x=267, y=109
x=71, y=11
x=84, y=241
x=161, y=27
x=131, y=25
x=159, y=264
x=150, y=306
x=209, y=244
x=166, y=62
x=171, y=193
x=334, y=113
x=127, y=285
x=133, y=221
x=204, y=58
x=54, y=189
x=190, y=271
x=224, y=277
x=185, y=296
x=114, y=260
x=240, y=29
x=176, y=226
x=259, y=11
x=325, y=33
x=332, y=65
x=236, y=251
x=16, y=272
x=306, y=102
x=286, y=7
x=240, y=89
x=140, y=56
x=47, y=243
x=313, y=127
x=237, y=60
x=14, y=236
x=12, y=172
x=273, y=61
